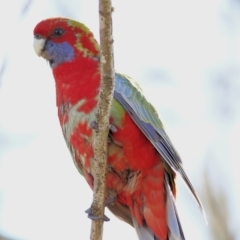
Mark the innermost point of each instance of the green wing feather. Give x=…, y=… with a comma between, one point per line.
x=130, y=95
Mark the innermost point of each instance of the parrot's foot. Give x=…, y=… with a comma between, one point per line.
x=112, y=129
x=94, y=125
x=111, y=200
x=111, y=139
x=94, y=217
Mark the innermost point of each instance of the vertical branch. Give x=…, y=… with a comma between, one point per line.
x=102, y=117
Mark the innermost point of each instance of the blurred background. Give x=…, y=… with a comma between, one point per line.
x=186, y=56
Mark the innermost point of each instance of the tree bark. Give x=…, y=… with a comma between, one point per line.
x=102, y=117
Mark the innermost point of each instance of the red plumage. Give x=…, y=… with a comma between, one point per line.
x=141, y=160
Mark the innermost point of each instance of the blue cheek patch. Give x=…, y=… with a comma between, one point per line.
x=58, y=53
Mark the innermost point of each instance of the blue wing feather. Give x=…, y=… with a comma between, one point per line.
x=130, y=95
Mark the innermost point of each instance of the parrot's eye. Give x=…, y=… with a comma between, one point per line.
x=37, y=36
x=58, y=32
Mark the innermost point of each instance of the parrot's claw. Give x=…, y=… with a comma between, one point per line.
x=94, y=217
x=94, y=125
x=112, y=128
x=110, y=200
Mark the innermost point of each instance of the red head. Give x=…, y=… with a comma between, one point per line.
x=61, y=40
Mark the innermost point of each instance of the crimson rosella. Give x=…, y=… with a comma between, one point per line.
x=142, y=162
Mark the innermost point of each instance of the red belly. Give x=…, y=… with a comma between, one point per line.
x=144, y=191
x=135, y=174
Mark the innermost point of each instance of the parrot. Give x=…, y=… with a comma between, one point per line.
x=142, y=163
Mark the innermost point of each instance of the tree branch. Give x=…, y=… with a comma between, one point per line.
x=102, y=117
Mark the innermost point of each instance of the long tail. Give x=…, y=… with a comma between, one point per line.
x=143, y=232
x=175, y=231
x=123, y=213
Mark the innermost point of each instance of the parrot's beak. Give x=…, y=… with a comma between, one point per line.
x=38, y=45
